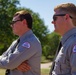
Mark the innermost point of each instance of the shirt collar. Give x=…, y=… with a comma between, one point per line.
x=26, y=35
x=67, y=35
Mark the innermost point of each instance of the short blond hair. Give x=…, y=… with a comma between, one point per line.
x=21, y=12
x=68, y=8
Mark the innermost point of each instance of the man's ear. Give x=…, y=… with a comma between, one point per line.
x=24, y=21
x=67, y=16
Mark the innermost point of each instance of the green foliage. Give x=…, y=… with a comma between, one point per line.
x=7, y=9
x=44, y=60
x=51, y=45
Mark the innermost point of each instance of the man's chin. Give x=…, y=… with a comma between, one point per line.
x=56, y=31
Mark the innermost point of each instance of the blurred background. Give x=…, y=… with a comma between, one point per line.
x=42, y=12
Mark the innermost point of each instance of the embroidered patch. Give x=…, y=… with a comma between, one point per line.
x=74, y=48
x=26, y=44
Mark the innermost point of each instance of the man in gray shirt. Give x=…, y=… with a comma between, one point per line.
x=26, y=48
x=64, y=21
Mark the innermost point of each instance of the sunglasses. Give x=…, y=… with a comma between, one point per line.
x=55, y=16
x=13, y=22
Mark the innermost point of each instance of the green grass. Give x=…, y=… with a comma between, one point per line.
x=43, y=72
x=2, y=72
x=44, y=60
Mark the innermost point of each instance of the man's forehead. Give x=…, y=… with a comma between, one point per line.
x=16, y=18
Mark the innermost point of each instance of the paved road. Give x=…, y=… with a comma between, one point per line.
x=46, y=65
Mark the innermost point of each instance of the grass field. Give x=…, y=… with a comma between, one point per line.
x=43, y=72
x=2, y=72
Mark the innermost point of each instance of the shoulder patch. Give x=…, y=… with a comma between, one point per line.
x=74, y=48
x=26, y=44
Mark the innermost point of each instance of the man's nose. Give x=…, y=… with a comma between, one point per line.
x=52, y=22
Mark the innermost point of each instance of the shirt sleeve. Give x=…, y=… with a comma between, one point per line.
x=5, y=54
x=20, y=54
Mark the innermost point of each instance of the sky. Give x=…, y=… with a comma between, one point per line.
x=44, y=8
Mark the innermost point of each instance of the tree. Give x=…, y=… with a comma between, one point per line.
x=7, y=9
x=51, y=45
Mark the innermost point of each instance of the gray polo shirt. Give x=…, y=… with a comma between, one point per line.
x=29, y=48
x=65, y=62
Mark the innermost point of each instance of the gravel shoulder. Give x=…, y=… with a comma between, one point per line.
x=46, y=65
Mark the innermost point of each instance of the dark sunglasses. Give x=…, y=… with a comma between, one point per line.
x=13, y=22
x=55, y=16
